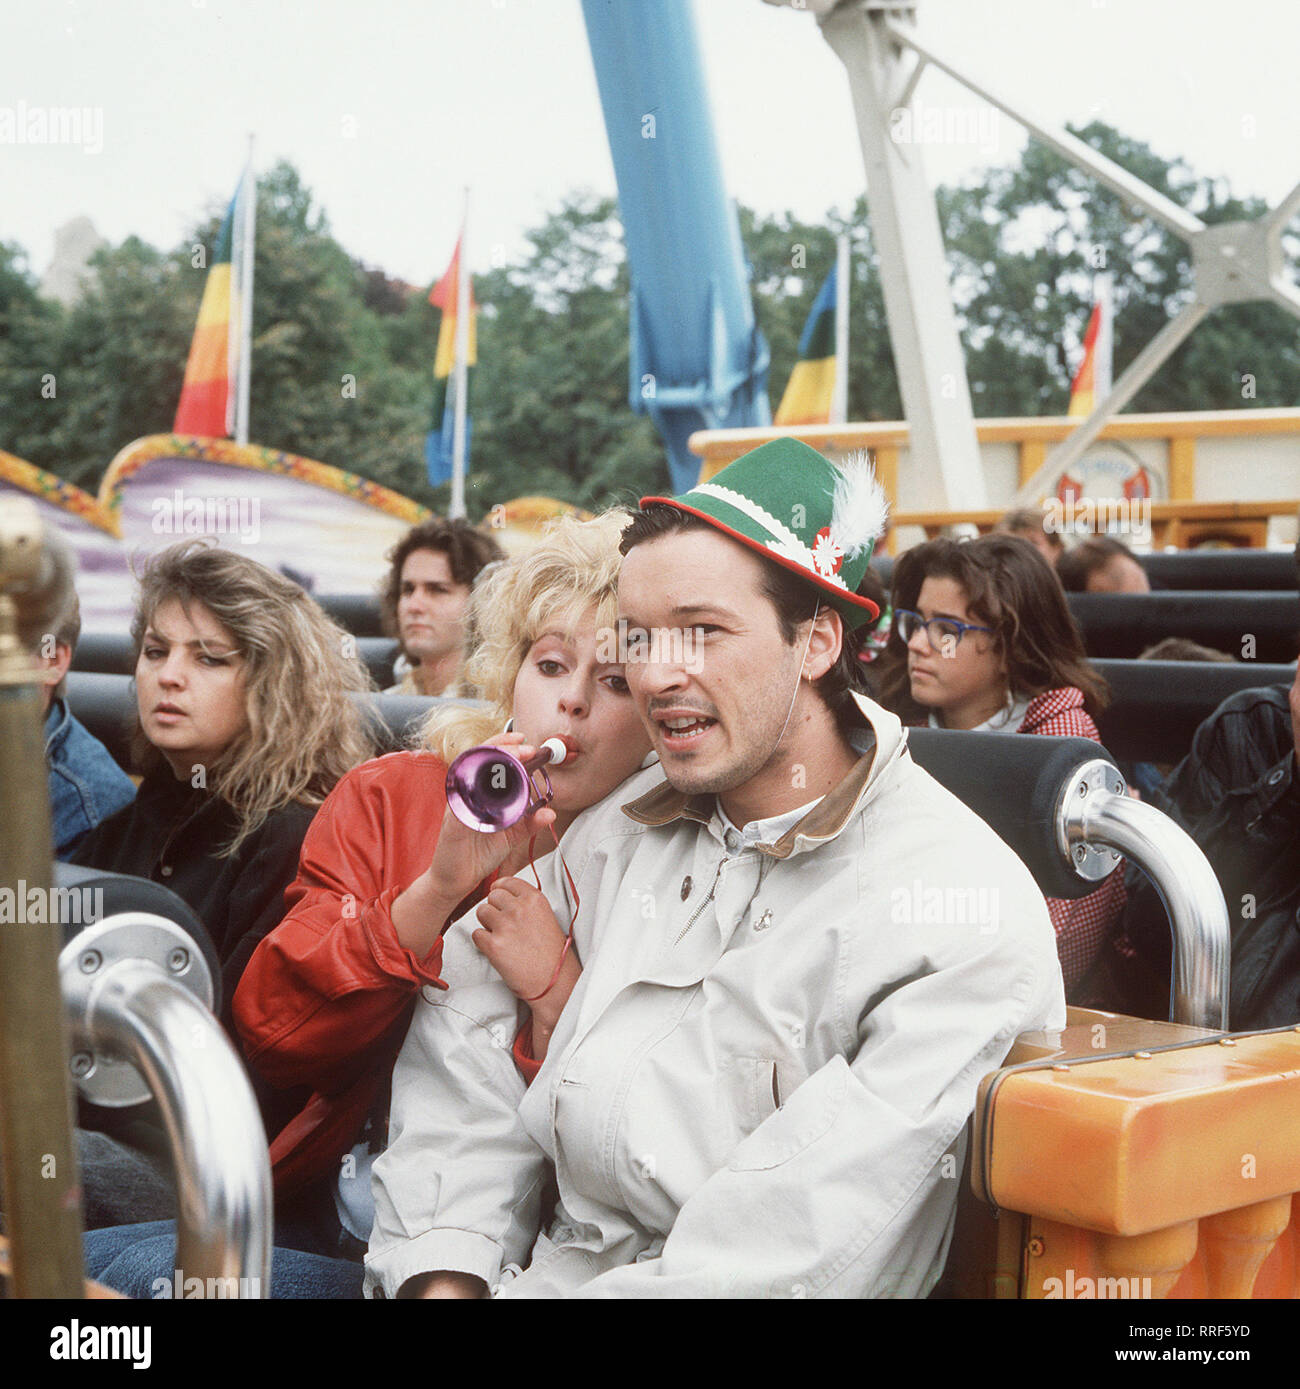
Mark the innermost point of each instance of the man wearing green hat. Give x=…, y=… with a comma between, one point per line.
x=760, y=1082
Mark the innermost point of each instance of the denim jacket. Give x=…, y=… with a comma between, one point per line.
x=86, y=785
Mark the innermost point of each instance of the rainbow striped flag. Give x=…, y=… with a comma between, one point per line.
x=444, y=296
x=209, y=393
x=807, y=398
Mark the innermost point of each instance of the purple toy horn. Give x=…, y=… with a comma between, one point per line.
x=490, y=789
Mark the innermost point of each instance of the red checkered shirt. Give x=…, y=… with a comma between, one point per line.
x=1082, y=924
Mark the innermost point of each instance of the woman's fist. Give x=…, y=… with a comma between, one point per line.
x=520, y=936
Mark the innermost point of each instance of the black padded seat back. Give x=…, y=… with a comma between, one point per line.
x=106, y=705
x=395, y=720
x=357, y=613
x=92, y=894
x=105, y=653
x=1125, y=624
x=1157, y=706
x=1214, y=570
x=1222, y=569
x=1014, y=783
x=378, y=653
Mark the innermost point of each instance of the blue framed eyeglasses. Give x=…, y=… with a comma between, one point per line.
x=907, y=624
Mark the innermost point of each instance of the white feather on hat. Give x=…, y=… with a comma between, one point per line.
x=859, y=507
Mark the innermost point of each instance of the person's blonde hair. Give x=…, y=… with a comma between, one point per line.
x=304, y=731
x=570, y=573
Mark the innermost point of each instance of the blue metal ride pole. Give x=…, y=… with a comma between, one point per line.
x=698, y=360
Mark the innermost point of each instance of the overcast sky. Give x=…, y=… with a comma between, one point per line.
x=389, y=107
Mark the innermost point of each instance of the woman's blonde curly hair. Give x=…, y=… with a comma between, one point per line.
x=304, y=731
x=571, y=574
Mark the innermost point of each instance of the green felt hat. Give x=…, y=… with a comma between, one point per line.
x=796, y=508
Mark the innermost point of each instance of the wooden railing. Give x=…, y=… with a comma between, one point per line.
x=1187, y=517
x=1181, y=524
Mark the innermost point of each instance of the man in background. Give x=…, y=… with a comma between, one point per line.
x=1030, y=525
x=1101, y=565
x=423, y=602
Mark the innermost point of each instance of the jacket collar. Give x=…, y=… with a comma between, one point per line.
x=881, y=741
x=58, y=724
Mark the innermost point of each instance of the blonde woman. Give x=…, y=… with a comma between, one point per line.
x=325, y=1001
x=244, y=726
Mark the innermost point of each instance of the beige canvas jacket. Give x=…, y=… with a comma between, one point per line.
x=761, y=1082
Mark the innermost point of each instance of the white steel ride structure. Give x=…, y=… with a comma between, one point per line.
x=885, y=57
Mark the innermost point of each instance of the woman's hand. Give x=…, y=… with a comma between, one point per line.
x=462, y=858
x=524, y=944
x=520, y=936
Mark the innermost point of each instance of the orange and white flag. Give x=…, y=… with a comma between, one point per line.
x=1092, y=381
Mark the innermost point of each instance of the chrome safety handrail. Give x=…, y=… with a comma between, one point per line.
x=135, y=1010
x=1095, y=818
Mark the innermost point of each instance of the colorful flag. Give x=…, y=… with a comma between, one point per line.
x=210, y=390
x=807, y=398
x=1092, y=381
x=438, y=442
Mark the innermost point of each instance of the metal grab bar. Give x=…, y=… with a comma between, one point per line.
x=135, y=1010
x=1096, y=815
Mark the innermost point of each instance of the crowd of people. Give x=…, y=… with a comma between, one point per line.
x=646, y=1041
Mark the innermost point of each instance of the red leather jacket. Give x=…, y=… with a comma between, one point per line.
x=325, y=1001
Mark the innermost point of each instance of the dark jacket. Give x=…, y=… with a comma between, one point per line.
x=1237, y=793
x=172, y=833
x=86, y=786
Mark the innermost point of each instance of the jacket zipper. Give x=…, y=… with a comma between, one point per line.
x=695, y=914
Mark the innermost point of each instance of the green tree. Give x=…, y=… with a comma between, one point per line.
x=790, y=259
x=324, y=383
x=120, y=357
x=1024, y=242
x=549, y=395
x=29, y=361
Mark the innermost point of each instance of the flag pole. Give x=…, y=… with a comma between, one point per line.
x=457, y=508
x=249, y=214
x=840, y=391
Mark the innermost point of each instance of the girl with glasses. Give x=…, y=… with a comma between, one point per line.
x=983, y=640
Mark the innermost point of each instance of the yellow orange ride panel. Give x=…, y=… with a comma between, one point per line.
x=1134, y=1144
